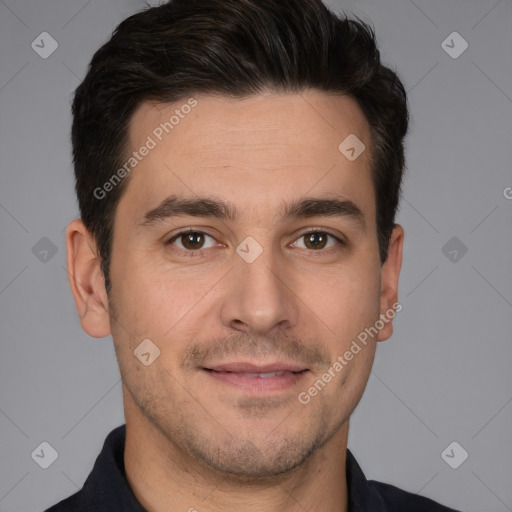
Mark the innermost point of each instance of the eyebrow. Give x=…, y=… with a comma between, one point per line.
x=174, y=206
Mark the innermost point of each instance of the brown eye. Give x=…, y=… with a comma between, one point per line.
x=192, y=241
x=316, y=241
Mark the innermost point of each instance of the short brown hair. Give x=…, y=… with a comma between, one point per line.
x=236, y=48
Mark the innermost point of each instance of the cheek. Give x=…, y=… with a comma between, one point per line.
x=346, y=299
x=352, y=385
x=157, y=303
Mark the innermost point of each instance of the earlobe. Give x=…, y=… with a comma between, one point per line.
x=390, y=273
x=86, y=280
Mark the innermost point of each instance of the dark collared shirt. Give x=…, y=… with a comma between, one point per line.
x=106, y=488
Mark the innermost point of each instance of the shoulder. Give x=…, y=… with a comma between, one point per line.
x=73, y=503
x=399, y=500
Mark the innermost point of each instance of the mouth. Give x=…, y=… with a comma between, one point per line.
x=257, y=378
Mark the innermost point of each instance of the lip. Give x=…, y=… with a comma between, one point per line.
x=247, y=377
x=246, y=367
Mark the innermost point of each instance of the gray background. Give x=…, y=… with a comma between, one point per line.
x=444, y=376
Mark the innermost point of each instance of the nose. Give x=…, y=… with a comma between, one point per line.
x=259, y=296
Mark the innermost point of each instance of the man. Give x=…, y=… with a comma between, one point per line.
x=238, y=168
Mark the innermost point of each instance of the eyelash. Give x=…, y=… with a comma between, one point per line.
x=199, y=252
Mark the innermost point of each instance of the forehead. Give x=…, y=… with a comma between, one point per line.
x=216, y=121
x=266, y=145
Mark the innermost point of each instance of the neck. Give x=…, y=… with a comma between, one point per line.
x=162, y=475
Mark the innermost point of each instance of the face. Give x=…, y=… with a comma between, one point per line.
x=245, y=248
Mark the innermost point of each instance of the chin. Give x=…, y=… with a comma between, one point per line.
x=245, y=461
x=258, y=454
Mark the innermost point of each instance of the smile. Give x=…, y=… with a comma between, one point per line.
x=257, y=379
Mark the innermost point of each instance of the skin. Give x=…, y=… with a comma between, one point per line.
x=194, y=441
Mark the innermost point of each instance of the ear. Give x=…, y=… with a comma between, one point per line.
x=390, y=272
x=86, y=280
